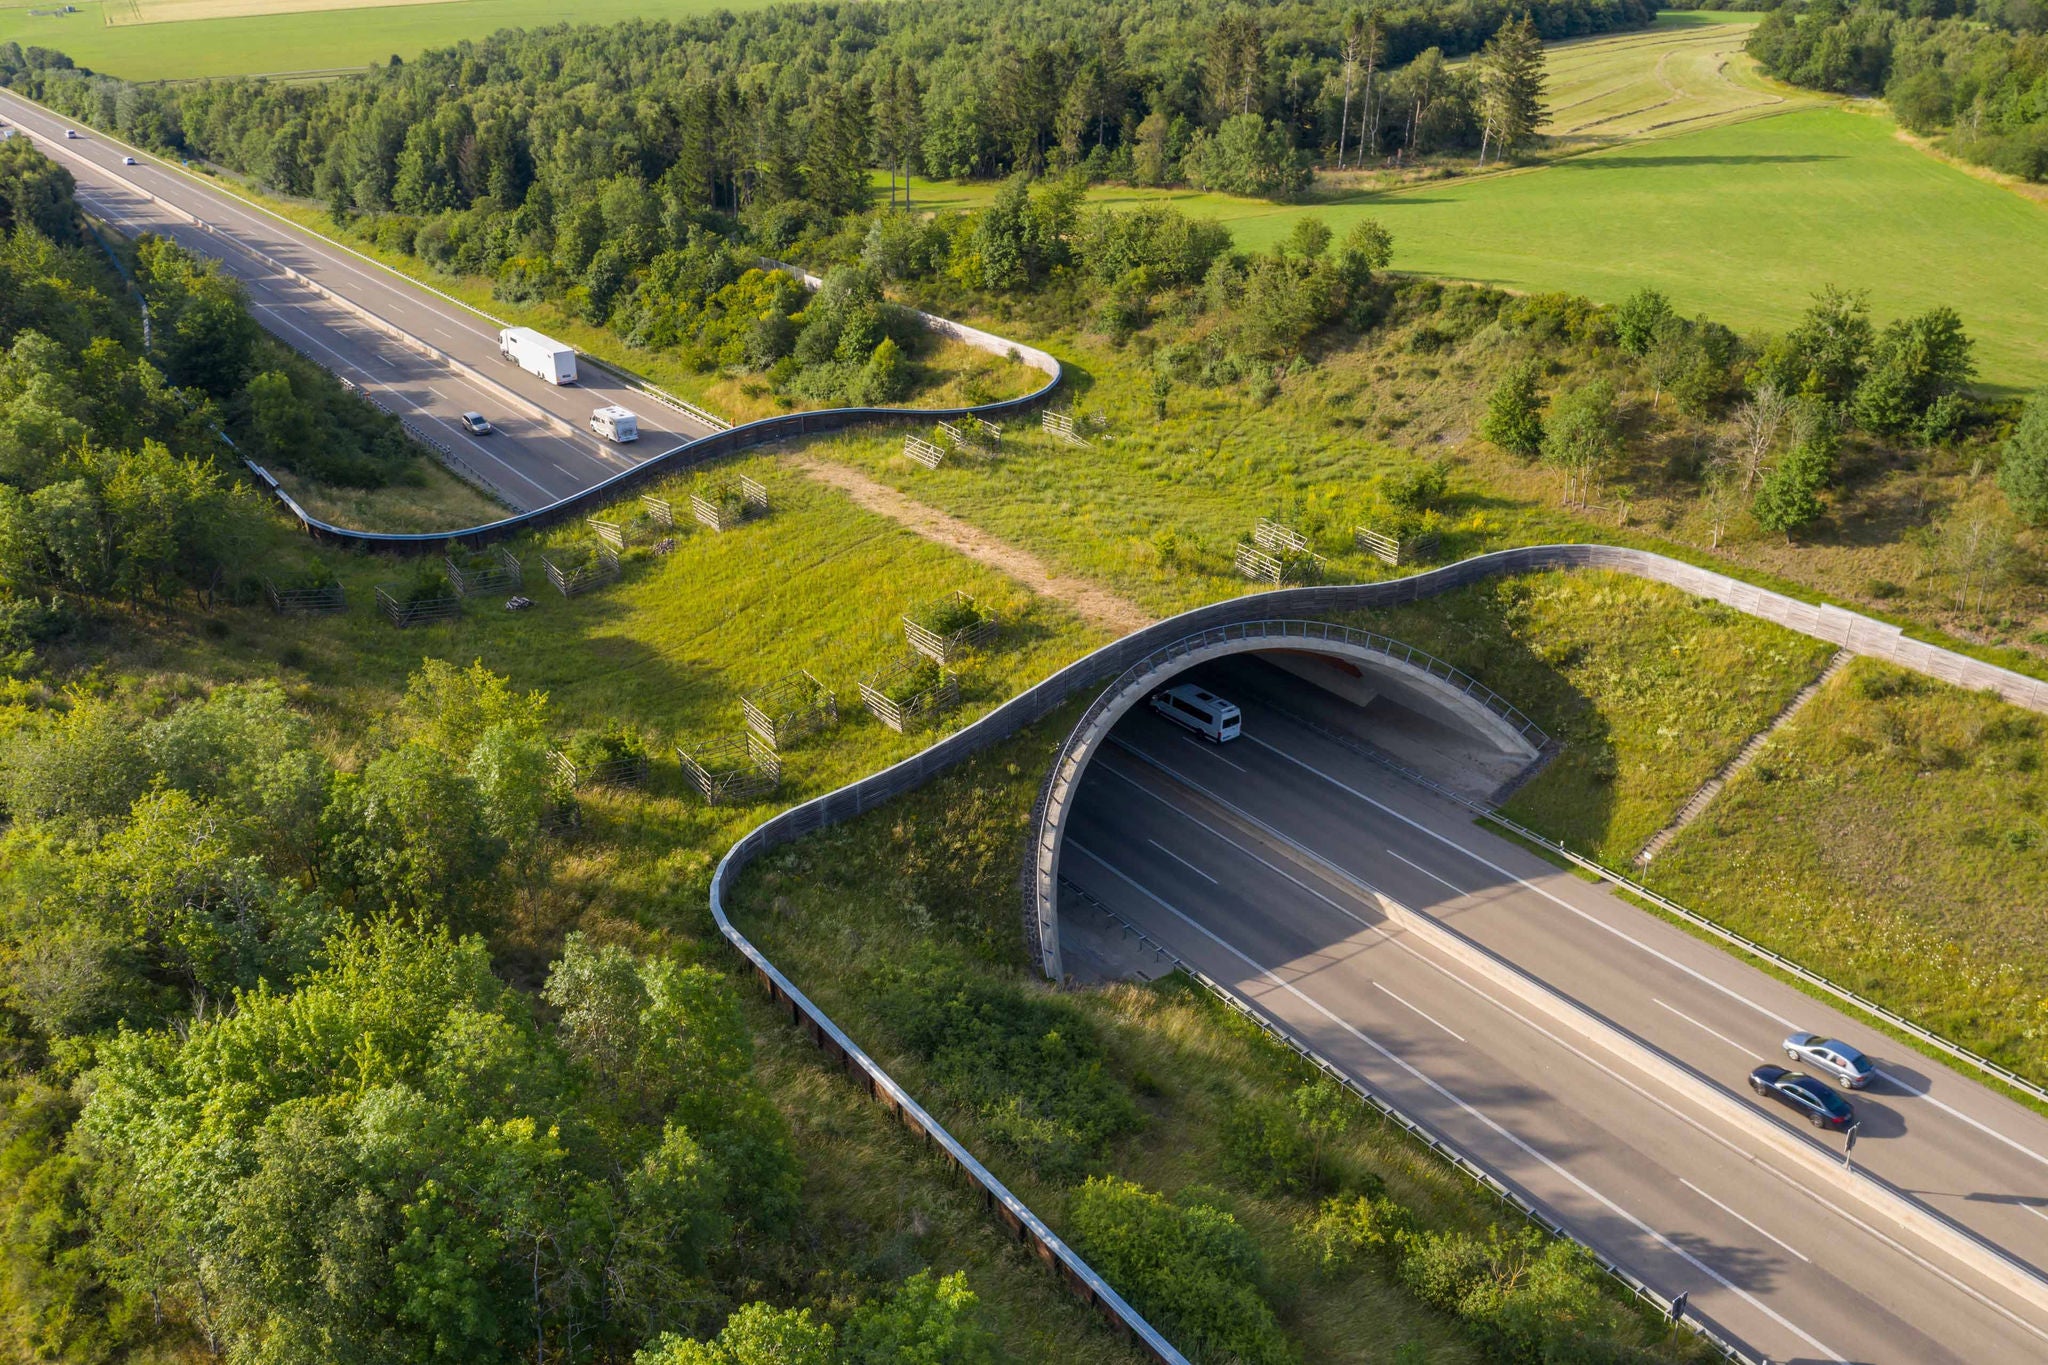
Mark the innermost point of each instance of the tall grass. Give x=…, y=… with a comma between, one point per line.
x=1893, y=838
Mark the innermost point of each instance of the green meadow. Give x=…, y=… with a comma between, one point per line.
x=312, y=41
x=1742, y=221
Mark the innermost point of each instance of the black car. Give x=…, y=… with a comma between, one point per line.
x=1822, y=1107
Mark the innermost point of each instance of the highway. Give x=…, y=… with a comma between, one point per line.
x=1262, y=863
x=542, y=450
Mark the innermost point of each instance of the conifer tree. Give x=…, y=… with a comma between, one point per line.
x=1511, y=81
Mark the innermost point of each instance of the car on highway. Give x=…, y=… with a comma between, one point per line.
x=127, y=161
x=476, y=422
x=1813, y=1099
x=1840, y=1062
x=1207, y=714
x=71, y=133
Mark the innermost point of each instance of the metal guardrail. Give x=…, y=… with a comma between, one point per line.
x=1438, y=1146
x=1042, y=699
x=1777, y=959
x=1012, y=1212
x=1678, y=910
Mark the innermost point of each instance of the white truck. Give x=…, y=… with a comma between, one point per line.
x=615, y=424
x=537, y=354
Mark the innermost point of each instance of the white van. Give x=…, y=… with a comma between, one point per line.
x=615, y=424
x=1207, y=714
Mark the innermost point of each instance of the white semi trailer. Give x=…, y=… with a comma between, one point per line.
x=537, y=354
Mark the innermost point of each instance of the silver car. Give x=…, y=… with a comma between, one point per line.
x=1834, y=1058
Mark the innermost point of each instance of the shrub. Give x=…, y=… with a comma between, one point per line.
x=1349, y=1228
x=948, y=615
x=1192, y=1271
x=1029, y=1066
x=588, y=748
x=1415, y=486
x=1264, y=1148
x=1512, y=420
x=429, y=583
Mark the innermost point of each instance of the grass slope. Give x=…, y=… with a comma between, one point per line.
x=325, y=41
x=1648, y=689
x=1893, y=838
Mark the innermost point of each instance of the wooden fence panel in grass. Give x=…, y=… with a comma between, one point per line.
x=789, y=708
x=305, y=601
x=601, y=568
x=499, y=571
x=421, y=612
x=732, y=770
x=891, y=698
x=1393, y=550
x=947, y=647
x=730, y=503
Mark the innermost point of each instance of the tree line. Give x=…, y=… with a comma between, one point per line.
x=632, y=174
x=1974, y=76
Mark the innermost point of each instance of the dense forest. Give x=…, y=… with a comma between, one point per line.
x=119, y=458
x=635, y=174
x=1974, y=75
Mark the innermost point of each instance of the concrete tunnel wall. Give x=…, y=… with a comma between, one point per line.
x=1449, y=696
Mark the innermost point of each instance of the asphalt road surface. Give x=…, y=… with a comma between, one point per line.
x=1255, y=862
x=528, y=462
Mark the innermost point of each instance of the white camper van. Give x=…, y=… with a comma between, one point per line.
x=537, y=354
x=615, y=424
x=1207, y=714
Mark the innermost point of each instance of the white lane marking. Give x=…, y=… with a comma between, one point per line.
x=1618, y=932
x=1182, y=861
x=1423, y=1012
x=1954, y=1112
x=1427, y=873
x=1440, y=1089
x=2035, y=1211
x=1744, y=1221
x=1492, y=866
x=424, y=413
x=1213, y=750
x=1745, y=1051
x=1692, y=1122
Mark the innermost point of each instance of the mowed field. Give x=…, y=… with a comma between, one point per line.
x=1686, y=72
x=260, y=37
x=1741, y=219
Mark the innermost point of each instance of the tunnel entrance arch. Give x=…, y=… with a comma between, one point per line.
x=1419, y=679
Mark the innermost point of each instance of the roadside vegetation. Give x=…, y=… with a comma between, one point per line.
x=1250, y=1210
x=1647, y=690
x=1891, y=837
x=120, y=462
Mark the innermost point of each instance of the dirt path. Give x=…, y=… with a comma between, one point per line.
x=1097, y=605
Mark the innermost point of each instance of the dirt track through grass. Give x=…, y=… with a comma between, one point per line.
x=1094, y=604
